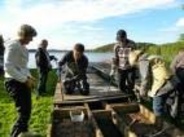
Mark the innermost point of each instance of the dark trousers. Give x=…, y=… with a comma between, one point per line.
x=43, y=74
x=126, y=80
x=180, y=74
x=21, y=95
x=81, y=84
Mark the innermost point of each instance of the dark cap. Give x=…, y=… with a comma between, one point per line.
x=121, y=33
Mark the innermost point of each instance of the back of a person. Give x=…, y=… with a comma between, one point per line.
x=159, y=72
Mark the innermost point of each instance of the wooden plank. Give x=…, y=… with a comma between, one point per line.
x=65, y=113
x=118, y=122
x=147, y=113
x=126, y=107
x=99, y=90
x=98, y=132
x=102, y=113
x=95, y=99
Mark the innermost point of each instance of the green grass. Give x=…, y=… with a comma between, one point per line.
x=41, y=109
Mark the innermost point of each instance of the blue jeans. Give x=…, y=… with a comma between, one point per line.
x=158, y=105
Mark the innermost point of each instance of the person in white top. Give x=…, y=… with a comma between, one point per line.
x=18, y=79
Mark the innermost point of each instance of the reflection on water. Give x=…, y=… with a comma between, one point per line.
x=93, y=57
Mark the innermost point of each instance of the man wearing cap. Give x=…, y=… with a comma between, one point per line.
x=43, y=63
x=18, y=80
x=76, y=67
x=126, y=73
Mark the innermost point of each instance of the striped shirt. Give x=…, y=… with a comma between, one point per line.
x=121, y=54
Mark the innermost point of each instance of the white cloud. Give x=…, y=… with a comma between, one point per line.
x=49, y=16
x=180, y=22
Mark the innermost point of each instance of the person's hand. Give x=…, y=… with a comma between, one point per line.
x=112, y=73
x=33, y=78
x=142, y=93
x=30, y=82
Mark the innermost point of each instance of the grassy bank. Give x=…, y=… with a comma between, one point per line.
x=41, y=108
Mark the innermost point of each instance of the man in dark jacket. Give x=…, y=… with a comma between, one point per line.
x=44, y=65
x=177, y=67
x=76, y=65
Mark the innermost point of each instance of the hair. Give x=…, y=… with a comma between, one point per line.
x=122, y=33
x=26, y=30
x=43, y=41
x=79, y=47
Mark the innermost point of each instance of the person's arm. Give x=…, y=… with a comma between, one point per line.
x=174, y=64
x=52, y=57
x=116, y=58
x=115, y=61
x=10, y=65
x=60, y=64
x=144, y=70
x=83, y=71
x=63, y=61
x=86, y=63
x=38, y=57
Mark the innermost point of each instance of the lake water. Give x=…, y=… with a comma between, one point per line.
x=93, y=57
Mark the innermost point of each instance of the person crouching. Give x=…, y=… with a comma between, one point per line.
x=75, y=74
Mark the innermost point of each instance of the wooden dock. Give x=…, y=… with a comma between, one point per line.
x=107, y=113
x=99, y=90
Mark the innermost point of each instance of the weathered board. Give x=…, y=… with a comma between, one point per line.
x=99, y=90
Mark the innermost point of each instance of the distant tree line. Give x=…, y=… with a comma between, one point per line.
x=168, y=50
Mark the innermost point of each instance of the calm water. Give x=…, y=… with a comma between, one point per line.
x=93, y=57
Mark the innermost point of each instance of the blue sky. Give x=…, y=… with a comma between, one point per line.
x=93, y=22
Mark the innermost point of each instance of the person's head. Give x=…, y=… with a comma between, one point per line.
x=121, y=35
x=26, y=33
x=78, y=51
x=134, y=57
x=43, y=44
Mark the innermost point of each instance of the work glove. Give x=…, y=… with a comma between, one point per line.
x=30, y=82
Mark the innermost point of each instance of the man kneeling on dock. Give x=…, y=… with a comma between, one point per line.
x=75, y=74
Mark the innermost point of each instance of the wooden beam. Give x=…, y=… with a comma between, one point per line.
x=91, y=117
